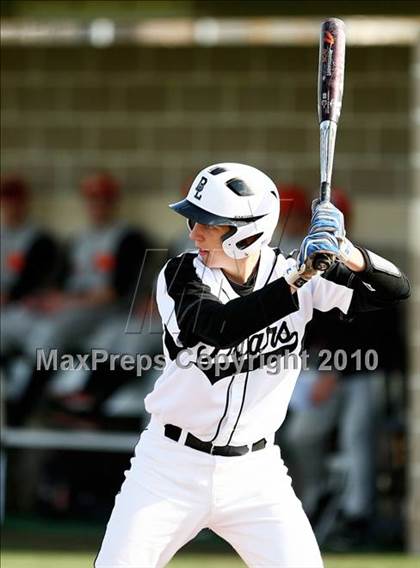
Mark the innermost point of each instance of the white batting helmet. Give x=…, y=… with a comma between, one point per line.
x=236, y=195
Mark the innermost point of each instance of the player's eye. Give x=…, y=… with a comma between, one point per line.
x=190, y=224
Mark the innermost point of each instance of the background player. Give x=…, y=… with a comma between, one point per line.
x=97, y=283
x=29, y=266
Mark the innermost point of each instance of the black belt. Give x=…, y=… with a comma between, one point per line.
x=174, y=433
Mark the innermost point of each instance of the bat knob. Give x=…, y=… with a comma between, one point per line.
x=322, y=262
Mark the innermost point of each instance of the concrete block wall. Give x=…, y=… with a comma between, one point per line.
x=154, y=116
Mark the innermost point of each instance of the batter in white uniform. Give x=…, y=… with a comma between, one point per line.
x=232, y=312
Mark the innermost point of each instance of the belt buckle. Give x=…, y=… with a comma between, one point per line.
x=211, y=449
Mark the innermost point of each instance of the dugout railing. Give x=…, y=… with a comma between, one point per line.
x=44, y=439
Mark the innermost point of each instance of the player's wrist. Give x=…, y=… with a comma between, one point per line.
x=351, y=256
x=297, y=276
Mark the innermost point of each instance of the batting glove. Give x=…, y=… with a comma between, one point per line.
x=297, y=276
x=314, y=243
x=327, y=218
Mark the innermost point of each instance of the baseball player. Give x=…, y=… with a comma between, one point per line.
x=229, y=309
x=29, y=263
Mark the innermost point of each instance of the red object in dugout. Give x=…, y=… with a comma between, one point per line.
x=104, y=262
x=16, y=261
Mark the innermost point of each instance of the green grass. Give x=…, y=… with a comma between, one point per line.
x=40, y=559
x=370, y=561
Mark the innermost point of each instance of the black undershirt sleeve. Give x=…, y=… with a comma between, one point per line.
x=203, y=317
x=225, y=325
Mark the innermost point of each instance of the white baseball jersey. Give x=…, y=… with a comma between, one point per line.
x=203, y=315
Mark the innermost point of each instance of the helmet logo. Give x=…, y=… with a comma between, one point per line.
x=200, y=187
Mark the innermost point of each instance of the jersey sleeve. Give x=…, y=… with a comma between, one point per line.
x=192, y=313
x=380, y=285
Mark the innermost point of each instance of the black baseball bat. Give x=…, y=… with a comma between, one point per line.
x=332, y=48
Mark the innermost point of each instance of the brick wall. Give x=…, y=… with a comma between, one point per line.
x=155, y=116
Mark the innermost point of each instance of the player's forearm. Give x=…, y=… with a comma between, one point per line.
x=225, y=325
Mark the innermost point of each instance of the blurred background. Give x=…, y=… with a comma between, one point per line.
x=108, y=109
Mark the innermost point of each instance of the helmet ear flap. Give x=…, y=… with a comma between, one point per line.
x=248, y=241
x=243, y=247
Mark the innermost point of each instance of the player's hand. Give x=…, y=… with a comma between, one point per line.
x=327, y=218
x=298, y=275
x=315, y=243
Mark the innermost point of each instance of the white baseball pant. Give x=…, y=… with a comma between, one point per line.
x=172, y=492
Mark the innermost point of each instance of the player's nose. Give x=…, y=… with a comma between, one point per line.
x=196, y=231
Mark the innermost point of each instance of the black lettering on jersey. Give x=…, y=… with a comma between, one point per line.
x=251, y=357
x=271, y=336
x=200, y=187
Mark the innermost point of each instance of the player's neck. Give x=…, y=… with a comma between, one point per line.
x=240, y=270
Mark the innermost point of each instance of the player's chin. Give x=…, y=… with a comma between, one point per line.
x=210, y=258
x=210, y=262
